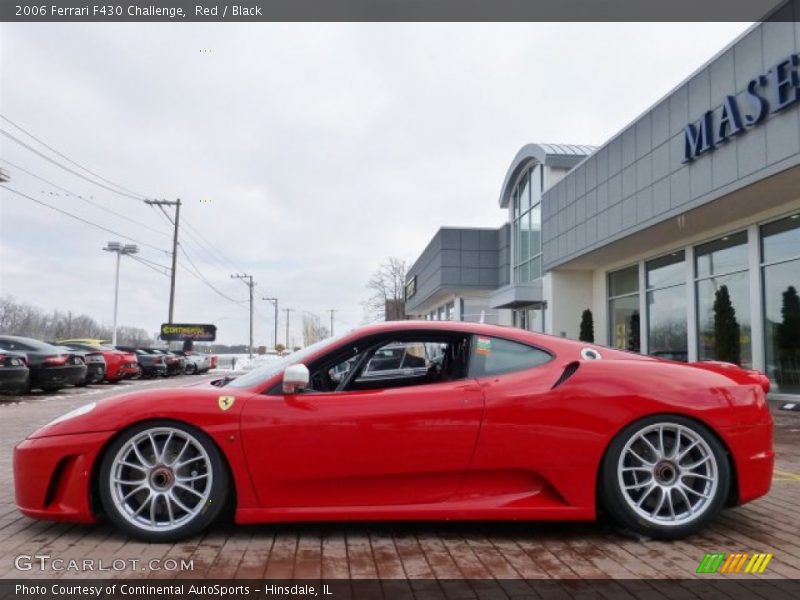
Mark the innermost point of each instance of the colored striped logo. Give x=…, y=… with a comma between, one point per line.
x=739, y=562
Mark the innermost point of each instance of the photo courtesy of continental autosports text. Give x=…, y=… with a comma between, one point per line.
x=380, y=299
x=144, y=590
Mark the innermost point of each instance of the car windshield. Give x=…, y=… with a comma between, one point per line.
x=262, y=374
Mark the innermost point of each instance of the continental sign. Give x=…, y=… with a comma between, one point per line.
x=735, y=562
x=178, y=332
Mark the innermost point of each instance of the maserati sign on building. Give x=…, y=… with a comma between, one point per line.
x=773, y=92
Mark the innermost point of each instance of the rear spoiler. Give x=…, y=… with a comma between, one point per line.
x=735, y=372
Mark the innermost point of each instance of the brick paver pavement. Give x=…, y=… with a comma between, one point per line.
x=399, y=550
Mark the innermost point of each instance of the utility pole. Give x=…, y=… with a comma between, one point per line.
x=332, y=311
x=287, y=311
x=274, y=302
x=248, y=281
x=177, y=204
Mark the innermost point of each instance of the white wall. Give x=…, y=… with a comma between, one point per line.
x=568, y=294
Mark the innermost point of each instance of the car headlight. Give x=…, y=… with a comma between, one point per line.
x=81, y=410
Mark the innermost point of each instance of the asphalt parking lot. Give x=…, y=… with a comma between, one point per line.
x=395, y=551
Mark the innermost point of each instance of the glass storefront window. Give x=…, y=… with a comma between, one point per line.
x=623, y=309
x=625, y=281
x=725, y=255
x=780, y=247
x=449, y=311
x=667, y=270
x=781, y=239
x=666, y=314
x=723, y=300
x=666, y=307
x=723, y=319
x=625, y=323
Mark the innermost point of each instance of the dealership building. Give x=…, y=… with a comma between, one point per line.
x=681, y=234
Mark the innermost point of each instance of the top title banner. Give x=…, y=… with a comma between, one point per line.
x=399, y=10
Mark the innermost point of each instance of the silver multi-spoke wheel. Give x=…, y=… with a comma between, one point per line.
x=668, y=474
x=160, y=479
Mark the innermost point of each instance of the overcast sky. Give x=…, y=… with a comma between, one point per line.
x=305, y=154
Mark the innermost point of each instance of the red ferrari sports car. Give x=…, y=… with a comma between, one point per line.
x=499, y=423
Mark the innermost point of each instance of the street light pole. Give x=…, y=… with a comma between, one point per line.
x=274, y=302
x=119, y=250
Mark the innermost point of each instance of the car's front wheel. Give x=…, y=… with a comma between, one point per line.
x=665, y=477
x=163, y=481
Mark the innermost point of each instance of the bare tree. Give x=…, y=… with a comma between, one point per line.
x=387, y=285
x=17, y=318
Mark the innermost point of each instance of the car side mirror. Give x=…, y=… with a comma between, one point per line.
x=295, y=377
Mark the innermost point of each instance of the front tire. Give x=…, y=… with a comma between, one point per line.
x=163, y=481
x=665, y=477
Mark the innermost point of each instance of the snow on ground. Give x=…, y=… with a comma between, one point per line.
x=242, y=362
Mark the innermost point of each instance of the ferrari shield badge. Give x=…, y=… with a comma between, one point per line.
x=225, y=402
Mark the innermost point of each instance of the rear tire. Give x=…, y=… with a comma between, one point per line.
x=163, y=481
x=665, y=477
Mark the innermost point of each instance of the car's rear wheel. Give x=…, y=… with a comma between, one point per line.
x=665, y=477
x=163, y=481
x=191, y=369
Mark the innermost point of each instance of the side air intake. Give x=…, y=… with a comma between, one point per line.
x=569, y=371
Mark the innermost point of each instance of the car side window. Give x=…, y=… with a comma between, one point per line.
x=15, y=346
x=396, y=363
x=495, y=356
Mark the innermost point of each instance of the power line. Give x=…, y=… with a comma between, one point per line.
x=155, y=264
x=87, y=200
x=149, y=265
x=204, y=250
x=211, y=245
x=67, y=158
x=58, y=164
x=82, y=220
x=201, y=277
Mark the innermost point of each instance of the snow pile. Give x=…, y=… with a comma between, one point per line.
x=248, y=364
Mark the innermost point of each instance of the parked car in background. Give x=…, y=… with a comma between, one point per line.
x=119, y=364
x=95, y=364
x=196, y=362
x=51, y=368
x=14, y=372
x=152, y=365
x=176, y=365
